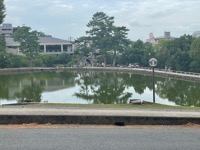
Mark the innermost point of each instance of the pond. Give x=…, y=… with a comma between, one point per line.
x=89, y=87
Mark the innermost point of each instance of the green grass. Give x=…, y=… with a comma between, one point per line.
x=146, y=106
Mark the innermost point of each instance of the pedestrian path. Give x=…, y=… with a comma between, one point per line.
x=80, y=115
x=27, y=110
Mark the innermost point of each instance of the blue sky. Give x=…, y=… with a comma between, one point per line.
x=68, y=18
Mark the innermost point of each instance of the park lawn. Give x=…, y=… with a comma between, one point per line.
x=136, y=106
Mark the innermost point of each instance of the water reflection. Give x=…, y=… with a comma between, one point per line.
x=106, y=88
x=178, y=91
x=95, y=87
x=31, y=86
x=30, y=92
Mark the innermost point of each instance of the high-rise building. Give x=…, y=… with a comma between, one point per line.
x=6, y=29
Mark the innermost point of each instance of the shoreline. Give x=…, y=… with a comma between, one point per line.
x=143, y=71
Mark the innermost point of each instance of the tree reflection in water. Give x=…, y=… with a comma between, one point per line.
x=31, y=92
x=106, y=88
x=181, y=92
x=109, y=88
x=97, y=87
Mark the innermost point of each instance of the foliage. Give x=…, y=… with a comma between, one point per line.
x=179, y=52
x=53, y=60
x=162, y=53
x=2, y=11
x=28, y=40
x=195, y=55
x=109, y=44
x=12, y=61
x=137, y=53
x=83, y=45
x=119, y=41
x=174, y=54
x=16, y=61
x=105, y=36
x=2, y=43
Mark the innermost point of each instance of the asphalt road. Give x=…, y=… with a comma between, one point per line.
x=99, y=138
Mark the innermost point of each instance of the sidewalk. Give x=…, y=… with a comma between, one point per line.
x=20, y=114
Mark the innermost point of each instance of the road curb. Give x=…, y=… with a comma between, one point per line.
x=96, y=120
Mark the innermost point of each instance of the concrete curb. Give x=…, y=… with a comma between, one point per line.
x=43, y=114
x=96, y=120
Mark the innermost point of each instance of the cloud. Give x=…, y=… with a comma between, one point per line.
x=69, y=17
x=137, y=24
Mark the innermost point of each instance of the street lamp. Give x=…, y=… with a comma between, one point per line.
x=153, y=63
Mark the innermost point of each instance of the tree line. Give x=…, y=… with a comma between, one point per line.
x=107, y=44
x=115, y=48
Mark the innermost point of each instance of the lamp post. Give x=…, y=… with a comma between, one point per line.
x=153, y=63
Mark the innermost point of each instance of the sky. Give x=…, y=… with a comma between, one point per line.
x=67, y=19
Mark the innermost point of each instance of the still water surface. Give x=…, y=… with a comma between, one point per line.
x=95, y=88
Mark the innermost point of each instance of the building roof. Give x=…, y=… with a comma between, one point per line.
x=42, y=40
x=52, y=40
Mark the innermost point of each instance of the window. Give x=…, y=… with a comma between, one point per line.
x=65, y=48
x=13, y=47
x=41, y=48
x=53, y=48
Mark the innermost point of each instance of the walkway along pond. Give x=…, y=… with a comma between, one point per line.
x=142, y=70
x=97, y=85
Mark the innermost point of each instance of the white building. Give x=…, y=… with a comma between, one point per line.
x=6, y=29
x=48, y=44
x=155, y=40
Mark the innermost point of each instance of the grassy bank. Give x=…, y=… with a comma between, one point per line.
x=122, y=106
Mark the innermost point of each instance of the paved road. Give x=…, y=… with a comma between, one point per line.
x=100, y=138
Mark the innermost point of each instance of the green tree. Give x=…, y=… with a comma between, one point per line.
x=49, y=60
x=84, y=46
x=136, y=52
x=28, y=40
x=16, y=61
x=105, y=36
x=2, y=43
x=119, y=41
x=162, y=53
x=2, y=11
x=174, y=53
x=148, y=54
x=179, y=52
x=100, y=32
x=195, y=55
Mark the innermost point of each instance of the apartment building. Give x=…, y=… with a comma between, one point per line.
x=155, y=40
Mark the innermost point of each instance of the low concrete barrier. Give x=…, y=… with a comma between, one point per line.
x=96, y=120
